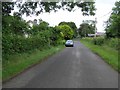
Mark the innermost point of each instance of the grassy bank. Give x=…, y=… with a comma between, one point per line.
x=110, y=55
x=20, y=62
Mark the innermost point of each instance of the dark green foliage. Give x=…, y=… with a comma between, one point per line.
x=98, y=41
x=55, y=37
x=113, y=43
x=18, y=37
x=7, y=7
x=113, y=24
x=28, y=8
x=86, y=29
x=72, y=25
x=14, y=25
x=66, y=32
x=19, y=44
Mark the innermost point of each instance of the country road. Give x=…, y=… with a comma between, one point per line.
x=73, y=67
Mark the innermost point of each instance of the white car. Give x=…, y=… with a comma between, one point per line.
x=69, y=43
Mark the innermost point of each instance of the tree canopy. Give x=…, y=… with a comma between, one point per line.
x=66, y=31
x=113, y=24
x=86, y=29
x=72, y=25
x=14, y=25
x=37, y=8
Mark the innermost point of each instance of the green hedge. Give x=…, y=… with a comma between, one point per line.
x=19, y=44
x=39, y=36
x=114, y=43
x=98, y=41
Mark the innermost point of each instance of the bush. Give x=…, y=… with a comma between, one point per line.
x=98, y=41
x=40, y=36
x=19, y=44
x=66, y=31
x=114, y=43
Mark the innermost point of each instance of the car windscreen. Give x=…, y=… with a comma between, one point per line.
x=69, y=41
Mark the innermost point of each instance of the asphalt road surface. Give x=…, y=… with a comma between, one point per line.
x=73, y=67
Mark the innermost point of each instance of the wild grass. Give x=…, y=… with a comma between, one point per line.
x=109, y=54
x=18, y=63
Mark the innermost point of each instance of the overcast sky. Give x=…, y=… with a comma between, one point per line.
x=102, y=14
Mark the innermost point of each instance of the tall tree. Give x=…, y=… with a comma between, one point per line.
x=86, y=29
x=113, y=24
x=42, y=26
x=14, y=25
x=66, y=31
x=72, y=25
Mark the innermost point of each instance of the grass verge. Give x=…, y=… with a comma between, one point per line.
x=19, y=63
x=108, y=54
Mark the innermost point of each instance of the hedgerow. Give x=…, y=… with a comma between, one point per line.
x=18, y=37
x=98, y=41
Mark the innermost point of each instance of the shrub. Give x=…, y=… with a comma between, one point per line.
x=114, y=43
x=66, y=31
x=98, y=41
x=19, y=44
